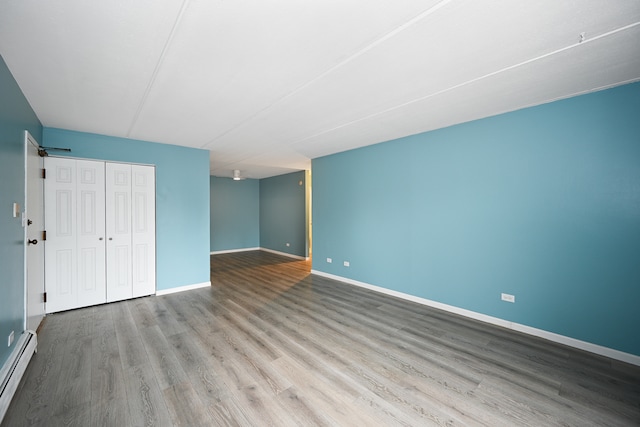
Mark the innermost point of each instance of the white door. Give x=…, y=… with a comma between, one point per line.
x=34, y=246
x=143, y=202
x=118, y=221
x=75, y=245
x=90, y=226
x=60, y=248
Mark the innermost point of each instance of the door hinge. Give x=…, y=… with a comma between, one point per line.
x=44, y=235
x=44, y=297
x=44, y=174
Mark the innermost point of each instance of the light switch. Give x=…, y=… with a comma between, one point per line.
x=16, y=210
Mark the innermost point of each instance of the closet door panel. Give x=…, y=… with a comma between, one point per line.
x=91, y=232
x=143, y=229
x=118, y=231
x=60, y=246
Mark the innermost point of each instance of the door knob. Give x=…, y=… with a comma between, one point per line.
x=32, y=242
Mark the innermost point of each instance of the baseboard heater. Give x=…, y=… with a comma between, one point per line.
x=14, y=368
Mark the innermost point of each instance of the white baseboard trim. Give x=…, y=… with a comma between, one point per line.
x=551, y=336
x=182, y=288
x=230, y=251
x=284, y=254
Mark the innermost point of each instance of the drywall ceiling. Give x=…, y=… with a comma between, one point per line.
x=266, y=86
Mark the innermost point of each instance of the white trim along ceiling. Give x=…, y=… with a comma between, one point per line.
x=266, y=86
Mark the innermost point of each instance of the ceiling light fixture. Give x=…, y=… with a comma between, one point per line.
x=236, y=175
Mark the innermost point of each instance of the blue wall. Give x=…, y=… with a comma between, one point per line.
x=235, y=214
x=542, y=203
x=16, y=116
x=182, y=198
x=282, y=213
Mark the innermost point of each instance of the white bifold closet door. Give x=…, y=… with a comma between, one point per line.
x=118, y=232
x=130, y=225
x=100, y=222
x=74, y=221
x=143, y=229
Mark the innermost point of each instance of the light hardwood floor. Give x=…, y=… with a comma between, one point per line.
x=270, y=344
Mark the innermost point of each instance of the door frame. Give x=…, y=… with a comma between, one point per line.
x=32, y=288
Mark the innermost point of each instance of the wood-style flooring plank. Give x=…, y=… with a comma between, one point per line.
x=166, y=320
x=73, y=393
x=167, y=368
x=111, y=413
x=80, y=416
x=185, y=406
x=329, y=400
x=130, y=346
x=146, y=405
x=107, y=380
x=141, y=313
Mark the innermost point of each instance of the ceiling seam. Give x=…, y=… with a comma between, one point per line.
x=156, y=69
x=359, y=53
x=465, y=83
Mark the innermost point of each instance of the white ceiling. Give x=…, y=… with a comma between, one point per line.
x=268, y=85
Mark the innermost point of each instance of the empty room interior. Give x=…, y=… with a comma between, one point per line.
x=320, y=213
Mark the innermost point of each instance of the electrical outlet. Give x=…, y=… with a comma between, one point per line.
x=346, y=264
x=288, y=244
x=329, y=260
x=508, y=297
x=10, y=339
